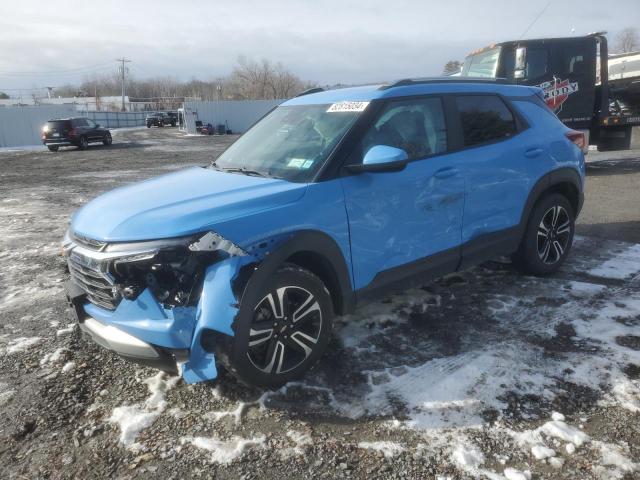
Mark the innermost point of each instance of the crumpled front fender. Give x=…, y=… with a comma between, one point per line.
x=216, y=310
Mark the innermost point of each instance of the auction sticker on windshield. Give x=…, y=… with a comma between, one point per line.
x=347, y=107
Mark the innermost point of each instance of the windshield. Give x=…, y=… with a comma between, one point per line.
x=292, y=142
x=484, y=64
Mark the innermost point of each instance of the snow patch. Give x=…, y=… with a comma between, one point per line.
x=53, y=357
x=225, y=451
x=132, y=419
x=65, y=331
x=622, y=265
x=388, y=449
x=69, y=366
x=541, y=452
x=21, y=344
x=513, y=474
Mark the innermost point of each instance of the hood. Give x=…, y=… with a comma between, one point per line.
x=180, y=203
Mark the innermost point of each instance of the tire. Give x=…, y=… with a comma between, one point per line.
x=108, y=140
x=271, y=347
x=53, y=148
x=173, y=124
x=148, y=125
x=548, y=237
x=84, y=143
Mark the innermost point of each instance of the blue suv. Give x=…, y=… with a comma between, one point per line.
x=332, y=199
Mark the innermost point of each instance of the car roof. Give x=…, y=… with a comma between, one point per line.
x=410, y=87
x=64, y=119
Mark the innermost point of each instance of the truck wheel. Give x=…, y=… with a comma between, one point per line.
x=107, y=139
x=284, y=333
x=84, y=143
x=548, y=236
x=52, y=148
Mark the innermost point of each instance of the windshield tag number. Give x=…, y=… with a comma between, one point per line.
x=347, y=107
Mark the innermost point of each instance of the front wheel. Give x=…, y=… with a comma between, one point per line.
x=52, y=148
x=548, y=236
x=283, y=333
x=107, y=139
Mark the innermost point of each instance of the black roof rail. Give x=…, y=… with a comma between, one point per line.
x=310, y=91
x=421, y=81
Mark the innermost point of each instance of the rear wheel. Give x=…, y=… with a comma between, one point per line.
x=548, y=236
x=52, y=148
x=107, y=139
x=84, y=143
x=284, y=332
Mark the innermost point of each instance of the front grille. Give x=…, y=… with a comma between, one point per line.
x=87, y=242
x=95, y=282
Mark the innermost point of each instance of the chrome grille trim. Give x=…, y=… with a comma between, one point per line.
x=91, y=276
x=88, y=242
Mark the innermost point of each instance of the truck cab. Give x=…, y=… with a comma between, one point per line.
x=573, y=74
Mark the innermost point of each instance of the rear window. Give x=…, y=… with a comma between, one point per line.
x=58, y=124
x=485, y=118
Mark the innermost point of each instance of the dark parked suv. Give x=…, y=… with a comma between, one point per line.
x=160, y=119
x=79, y=132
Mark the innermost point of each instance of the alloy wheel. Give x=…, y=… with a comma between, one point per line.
x=286, y=326
x=554, y=232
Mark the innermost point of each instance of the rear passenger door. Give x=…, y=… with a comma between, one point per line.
x=494, y=157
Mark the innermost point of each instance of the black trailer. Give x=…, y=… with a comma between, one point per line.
x=574, y=76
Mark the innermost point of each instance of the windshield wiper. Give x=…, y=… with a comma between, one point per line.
x=245, y=171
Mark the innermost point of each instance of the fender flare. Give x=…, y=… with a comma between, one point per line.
x=313, y=241
x=546, y=182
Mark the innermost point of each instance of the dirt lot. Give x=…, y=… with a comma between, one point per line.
x=484, y=374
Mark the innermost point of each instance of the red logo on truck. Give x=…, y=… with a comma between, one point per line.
x=557, y=91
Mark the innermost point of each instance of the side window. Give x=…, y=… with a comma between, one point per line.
x=537, y=63
x=484, y=118
x=416, y=126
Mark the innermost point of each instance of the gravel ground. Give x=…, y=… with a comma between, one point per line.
x=483, y=374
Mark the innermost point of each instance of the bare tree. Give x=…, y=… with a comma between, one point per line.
x=627, y=40
x=249, y=80
x=452, y=66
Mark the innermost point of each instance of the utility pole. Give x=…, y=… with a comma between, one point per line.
x=122, y=71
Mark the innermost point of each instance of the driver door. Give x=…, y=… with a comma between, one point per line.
x=406, y=223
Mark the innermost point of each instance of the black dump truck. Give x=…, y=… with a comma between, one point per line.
x=586, y=88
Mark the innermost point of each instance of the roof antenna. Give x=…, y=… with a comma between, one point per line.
x=535, y=20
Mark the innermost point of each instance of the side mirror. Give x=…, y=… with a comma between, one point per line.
x=520, y=64
x=381, y=158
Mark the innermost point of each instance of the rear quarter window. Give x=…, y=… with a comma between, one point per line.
x=485, y=118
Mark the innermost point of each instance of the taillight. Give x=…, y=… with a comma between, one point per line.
x=578, y=139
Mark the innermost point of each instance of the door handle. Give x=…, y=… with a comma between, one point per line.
x=533, y=152
x=446, y=172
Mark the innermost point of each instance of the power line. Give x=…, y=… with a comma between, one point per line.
x=535, y=20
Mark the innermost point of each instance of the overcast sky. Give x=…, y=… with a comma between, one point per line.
x=329, y=41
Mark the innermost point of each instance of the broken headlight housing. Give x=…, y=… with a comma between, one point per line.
x=171, y=269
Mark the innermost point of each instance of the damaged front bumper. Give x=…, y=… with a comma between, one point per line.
x=145, y=331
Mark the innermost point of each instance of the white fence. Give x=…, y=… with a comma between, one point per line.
x=20, y=126
x=236, y=115
x=118, y=119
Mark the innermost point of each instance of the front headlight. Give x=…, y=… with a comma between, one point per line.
x=172, y=268
x=45, y=129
